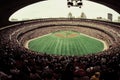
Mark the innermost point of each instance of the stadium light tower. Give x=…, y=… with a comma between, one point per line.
x=74, y=3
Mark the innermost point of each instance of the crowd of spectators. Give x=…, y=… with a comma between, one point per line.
x=19, y=63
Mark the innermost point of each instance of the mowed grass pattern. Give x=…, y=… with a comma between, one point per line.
x=66, y=43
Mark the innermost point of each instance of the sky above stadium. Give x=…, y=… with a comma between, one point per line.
x=58, y=8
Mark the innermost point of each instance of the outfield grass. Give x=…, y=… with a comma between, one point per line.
x=66, y=43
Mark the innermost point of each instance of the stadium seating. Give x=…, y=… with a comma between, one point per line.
x=20, y=63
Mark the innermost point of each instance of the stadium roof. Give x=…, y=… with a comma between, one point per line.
x=8, y=7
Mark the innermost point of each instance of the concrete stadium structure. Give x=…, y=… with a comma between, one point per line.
x=9, y=7
x=20, y=63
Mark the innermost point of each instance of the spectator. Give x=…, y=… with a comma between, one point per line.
x=96, y=76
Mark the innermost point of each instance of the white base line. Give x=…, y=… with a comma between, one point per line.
x=105, y=45
x=27, y=42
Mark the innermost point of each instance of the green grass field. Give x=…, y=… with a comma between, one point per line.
x=66, y=43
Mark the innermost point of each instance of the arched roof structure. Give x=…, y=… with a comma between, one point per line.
x=8, y=7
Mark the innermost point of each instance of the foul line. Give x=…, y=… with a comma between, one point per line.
x=104, y=43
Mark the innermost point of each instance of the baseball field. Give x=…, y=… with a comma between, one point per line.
x=66, y=43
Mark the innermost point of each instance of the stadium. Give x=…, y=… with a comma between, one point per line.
x=60, y=49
